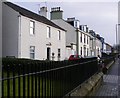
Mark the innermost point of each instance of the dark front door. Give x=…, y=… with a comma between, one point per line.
x=48, y=53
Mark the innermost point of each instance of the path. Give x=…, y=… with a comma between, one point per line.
x=111, y=81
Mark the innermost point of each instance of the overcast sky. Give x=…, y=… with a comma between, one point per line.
x=100, y=16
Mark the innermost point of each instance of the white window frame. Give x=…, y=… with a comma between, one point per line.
x=59, y=35
x=84, y=51
x=81, y=51
x=32, y=27
x=87, y=51
x=81, y=38
x=84, y=38
x=32, y=52
x=87, y=39
x=48, y=32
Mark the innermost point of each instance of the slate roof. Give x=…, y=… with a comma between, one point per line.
x=32, y=15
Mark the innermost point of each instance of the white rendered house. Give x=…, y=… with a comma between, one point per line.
x=96, y=44
x=77, y=41
x=30, y=35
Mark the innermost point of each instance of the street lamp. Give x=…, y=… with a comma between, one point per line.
x=117, y=33
x=117, y=37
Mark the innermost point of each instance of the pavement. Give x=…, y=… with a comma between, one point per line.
x=111, y=81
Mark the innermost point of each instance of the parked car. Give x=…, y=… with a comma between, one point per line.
x=74, y=57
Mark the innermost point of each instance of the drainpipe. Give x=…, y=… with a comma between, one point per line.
x=95, y=46
x=77, y=41
x=19, y=36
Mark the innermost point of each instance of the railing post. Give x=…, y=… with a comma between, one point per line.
x=14, y=80
x=36, y=75
x=23, y=72
x=19, y=84
x=28, y=80
x=8, y=81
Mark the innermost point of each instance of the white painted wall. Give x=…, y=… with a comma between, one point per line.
x=82, y=44
x=71, y=36
x=17, y=40
x=39, y=40
x=92, y=46
x=98, y=45
x=10, y=31
x=104, y=50
x=70, y=51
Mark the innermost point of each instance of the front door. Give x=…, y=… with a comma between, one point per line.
x=84, y=51
x=48, y=53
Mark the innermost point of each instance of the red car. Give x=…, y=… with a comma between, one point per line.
x=75, y=57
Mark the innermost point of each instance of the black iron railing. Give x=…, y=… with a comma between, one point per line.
x=39, y=78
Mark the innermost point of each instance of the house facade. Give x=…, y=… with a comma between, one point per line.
x=98, y=47
x=84, y=40
x=82, y=37
x=29, y=35
x=70, y=37
x=107, y=48
x=96, y=44
x=77, y=40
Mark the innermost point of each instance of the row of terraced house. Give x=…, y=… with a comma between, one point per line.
x=30, y=35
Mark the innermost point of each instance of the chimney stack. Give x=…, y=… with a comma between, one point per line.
x=71, y=19
x=43, y=11
x=56, y=13
x=73, y=22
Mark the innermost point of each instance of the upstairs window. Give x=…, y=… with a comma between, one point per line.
x=59, y=35
x=84, y=39
x=81, y=38
x=87, y=39
x=48, y=32
x=32, y=27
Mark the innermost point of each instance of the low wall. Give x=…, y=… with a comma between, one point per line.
x=89, y=87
